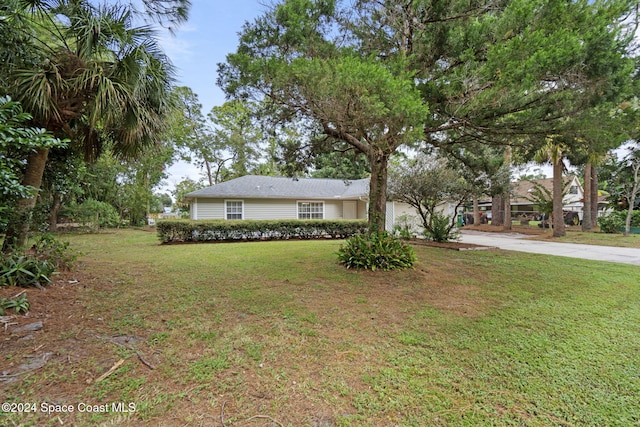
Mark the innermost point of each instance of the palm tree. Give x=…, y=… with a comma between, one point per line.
x=553, y=151
x=98, y=79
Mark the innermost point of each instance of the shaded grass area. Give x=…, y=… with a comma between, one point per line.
x=279, y=330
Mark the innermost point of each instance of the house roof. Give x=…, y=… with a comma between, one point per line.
x=521, y=190
x=272, y=187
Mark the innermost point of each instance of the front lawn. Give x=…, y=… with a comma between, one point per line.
x=277, y=333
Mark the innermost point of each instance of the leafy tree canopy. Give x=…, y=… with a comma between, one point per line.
x=183, y=188
x=380, y=74
x=86, y=72
x=16, y=139
x=426, y=183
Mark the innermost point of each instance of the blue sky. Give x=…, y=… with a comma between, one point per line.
x=205, y=40
x=198, y=46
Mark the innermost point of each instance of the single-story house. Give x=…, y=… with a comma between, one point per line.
x=270, y=197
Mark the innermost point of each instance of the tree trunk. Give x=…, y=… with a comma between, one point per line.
x=586, y=208
x=497, y=210
x=507, y=211
x=558, y=217
x=378, y=192
x=209, y=176
x=18, y=227
x=627, y=221
x=56, y=205
x=594, y=195
x=631, y=197
x=506, y=196
x=149, y=195
x=476, y=210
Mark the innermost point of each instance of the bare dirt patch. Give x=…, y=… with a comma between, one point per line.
x=67, y=337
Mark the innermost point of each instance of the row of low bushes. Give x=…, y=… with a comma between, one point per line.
x=241, y=230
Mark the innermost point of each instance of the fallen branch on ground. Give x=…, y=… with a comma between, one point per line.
x=110, y=371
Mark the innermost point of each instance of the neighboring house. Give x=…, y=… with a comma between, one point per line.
x=268, y=197
x=521, y=193
x=573, y=199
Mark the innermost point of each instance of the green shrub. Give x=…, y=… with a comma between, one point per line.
x=57, y=253
x=613, y=222
x=19, y=303
x=35, y=268
x=25, y=270
x=94, y=213
x=376, y=251
x=402, y=231
x=441, y=229
x=404, y=226
x=240, y=230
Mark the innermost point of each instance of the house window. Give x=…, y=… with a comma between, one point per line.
x=573, y=189
x=310, y=210
x=234, y=209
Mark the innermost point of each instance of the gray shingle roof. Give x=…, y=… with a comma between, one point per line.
x=271, y=187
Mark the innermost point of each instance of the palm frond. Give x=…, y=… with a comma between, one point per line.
x=38, y=91
x=102, y=77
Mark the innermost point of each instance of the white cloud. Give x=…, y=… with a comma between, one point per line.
x=175, y=46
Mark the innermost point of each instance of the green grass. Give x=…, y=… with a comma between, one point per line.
x=280, y=329
x=591, y=238
x=605, y=239
x=574, y=235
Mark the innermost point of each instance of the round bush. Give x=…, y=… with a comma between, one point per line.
x=376, y=251
x=612, y=223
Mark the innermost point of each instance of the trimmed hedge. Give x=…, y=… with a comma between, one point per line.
x=245, y=230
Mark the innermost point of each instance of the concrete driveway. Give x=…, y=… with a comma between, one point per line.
x=519, y=242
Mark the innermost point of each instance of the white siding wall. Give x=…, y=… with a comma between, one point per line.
x=193, y=212
x=267, y=209
x=406, y=215
x=362, y=209
x=574, y=200
x=404, y=209
x=447, y=208
x=209, y=209
x=349, y=209
x=411, y=217
x=333, y=209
